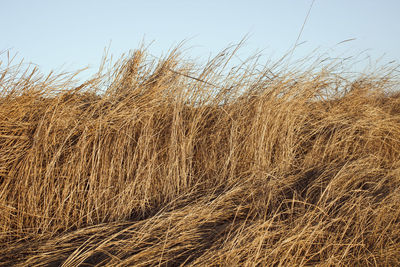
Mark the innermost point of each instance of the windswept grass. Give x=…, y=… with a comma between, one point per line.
x=165, y=163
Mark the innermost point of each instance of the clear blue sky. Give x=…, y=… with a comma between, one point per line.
x=73, y=34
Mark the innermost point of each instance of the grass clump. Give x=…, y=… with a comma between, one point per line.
x=165, y=163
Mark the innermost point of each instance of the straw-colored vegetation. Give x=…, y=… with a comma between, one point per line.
x=165, y=163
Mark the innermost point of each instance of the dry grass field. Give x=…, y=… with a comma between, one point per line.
x=163, y=163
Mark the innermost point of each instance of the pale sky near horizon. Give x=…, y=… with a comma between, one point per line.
x=67, y=35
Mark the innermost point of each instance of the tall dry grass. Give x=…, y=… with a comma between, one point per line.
x=164, y=163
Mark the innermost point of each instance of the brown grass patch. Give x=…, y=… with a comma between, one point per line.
x=172, y=165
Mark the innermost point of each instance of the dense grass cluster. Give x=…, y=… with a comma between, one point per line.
x=165, y=163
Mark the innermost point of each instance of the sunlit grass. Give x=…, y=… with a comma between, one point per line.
x=163, y=162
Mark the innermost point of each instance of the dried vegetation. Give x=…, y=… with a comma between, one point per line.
x=165, y=163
